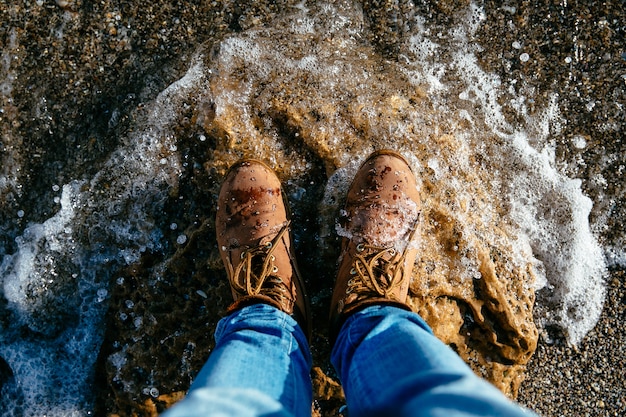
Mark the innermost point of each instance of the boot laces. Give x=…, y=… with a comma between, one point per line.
x=256, y=273
x=377, y=271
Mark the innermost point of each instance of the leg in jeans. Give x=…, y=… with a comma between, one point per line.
x=261, y=361
x=388, y=360
x=390, y=363
x=260, y=366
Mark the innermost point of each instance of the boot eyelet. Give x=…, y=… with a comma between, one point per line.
x=268, y=245
x=353, y=271
x=275, y=269
x=272, y=258
x=360, y=247
x=392, y=251
x=243, y=255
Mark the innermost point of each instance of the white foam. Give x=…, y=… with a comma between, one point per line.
x=7, y=75
x=18, y=270
x=550, y=209
x=115, y=208
x=616, y=254
x=53, y=375
x=553, y=212
x=579, y=142
x=423, y=51
x=10, y=158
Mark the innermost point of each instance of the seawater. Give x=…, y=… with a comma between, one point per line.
x=309, y=81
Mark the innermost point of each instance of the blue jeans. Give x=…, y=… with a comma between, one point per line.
x=388, y=360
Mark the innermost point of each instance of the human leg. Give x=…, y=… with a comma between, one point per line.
x=390, y=363
x=253, y=227
x=261, y=361
x=260, y=366
x=388, y=360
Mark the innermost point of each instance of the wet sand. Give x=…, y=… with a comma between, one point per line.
x=587, y=380
x=575, y=54
x=73, y=73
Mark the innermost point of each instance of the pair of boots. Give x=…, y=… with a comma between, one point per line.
x=377, y=257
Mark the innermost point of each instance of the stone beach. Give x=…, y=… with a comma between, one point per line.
x=119, y=119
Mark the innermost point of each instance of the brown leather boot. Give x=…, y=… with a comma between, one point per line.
x=254, y=238
x=378, y=250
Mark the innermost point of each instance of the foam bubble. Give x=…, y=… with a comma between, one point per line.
x=616, y=254
x=56, y=281
x=102, y=294
x=579, y=142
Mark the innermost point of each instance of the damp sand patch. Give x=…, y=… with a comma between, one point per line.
x=506, y=248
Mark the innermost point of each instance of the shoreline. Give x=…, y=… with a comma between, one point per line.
x=74, y=75
x=587, y=380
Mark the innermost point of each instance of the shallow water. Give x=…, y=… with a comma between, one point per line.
x=108, y=239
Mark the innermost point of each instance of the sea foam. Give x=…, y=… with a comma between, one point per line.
x=62, y=266
x=57, y=280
